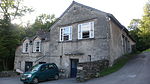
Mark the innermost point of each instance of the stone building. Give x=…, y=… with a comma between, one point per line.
x=32, y=51
x=81, y=34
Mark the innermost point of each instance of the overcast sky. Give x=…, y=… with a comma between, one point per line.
x=123, y=10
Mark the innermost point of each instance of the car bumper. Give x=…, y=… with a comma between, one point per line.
x=26, y=80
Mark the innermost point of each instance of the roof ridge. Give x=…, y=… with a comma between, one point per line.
x=88, y=7
x=107, y=15
x=74, y=2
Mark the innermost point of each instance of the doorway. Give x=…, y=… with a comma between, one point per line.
x=28, y=65
x=73, y=67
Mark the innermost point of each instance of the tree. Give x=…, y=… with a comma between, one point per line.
x=42, y=22
x=134, y=24
x=140, y=29
x=8, y=43
x=134, y=28
x=9, y=10
x=13, y=9
x=145, y=27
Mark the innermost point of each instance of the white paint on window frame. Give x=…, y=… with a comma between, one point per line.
x=35, y=46
x=25, y=46
x=62, y=33
x=91, y=29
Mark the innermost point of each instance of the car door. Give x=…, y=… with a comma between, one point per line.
x=51, y=71
x=43, y=73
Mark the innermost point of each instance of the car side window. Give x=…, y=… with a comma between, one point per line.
x=43, y=68
x=50, y=67
x=46, y=67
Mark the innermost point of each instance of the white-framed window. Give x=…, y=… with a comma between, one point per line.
x=66, y=33
x=86, y=30
x=37, y=46
x=25, y=48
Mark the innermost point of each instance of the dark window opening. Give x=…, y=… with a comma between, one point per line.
x=85, y=34
x=66, y=37
x=61, y=34
x=26, y=49
x=37, y=46
x=42, y=62
x=37, y=49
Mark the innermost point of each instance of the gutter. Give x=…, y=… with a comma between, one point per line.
x=120, y=25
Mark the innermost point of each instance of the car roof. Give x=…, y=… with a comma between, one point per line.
x=48, y=63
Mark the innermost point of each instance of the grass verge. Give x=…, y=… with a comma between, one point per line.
x=119, y=63
x=148, y=50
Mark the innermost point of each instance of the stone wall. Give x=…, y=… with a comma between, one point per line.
x=118, y=45
x=8, y=74
x=89, y=70
x=91, y=48
x=35, y=57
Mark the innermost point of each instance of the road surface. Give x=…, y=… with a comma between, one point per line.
x=136, y=71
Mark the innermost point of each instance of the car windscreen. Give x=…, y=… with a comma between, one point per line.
x=35, y=68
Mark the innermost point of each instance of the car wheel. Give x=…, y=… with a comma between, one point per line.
x=35, y=81
x=56, y=77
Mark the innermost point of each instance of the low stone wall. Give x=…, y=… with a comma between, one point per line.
x=89, y=70
x=8, y=74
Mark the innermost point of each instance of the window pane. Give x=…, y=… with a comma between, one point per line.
x=85, y=34
x=61, y=34
x=26, y=48
x=37, y=46
x=66, y=33
x=66, y=30
x=85, y=30
x=66, y=37
x=85, y=27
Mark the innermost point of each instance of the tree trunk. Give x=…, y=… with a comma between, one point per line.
x=4, y=67
x=6, y=64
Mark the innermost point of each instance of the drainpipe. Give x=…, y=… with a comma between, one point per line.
x=108, y=37
x=61, y=57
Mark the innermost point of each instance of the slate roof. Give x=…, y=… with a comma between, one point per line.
x=42, y=34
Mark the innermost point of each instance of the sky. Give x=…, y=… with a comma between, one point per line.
x=123, y=10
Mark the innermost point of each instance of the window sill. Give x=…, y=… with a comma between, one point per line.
x=25, y=52
x=86, y=39
x=36, y=52
x=65, y=41
x=76, y=40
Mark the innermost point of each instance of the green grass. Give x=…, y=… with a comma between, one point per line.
x=148, y=50
x=119, y=63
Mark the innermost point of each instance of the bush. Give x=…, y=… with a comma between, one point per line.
x=148, y=50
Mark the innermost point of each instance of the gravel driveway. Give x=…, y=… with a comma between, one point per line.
x=136, y=71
